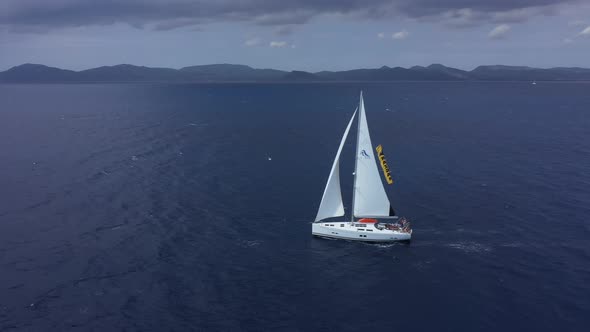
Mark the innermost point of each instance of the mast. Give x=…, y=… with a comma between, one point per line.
x=356, y=158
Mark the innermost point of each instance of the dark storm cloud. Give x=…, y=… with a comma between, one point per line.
x=420, y=8
x=170, y=14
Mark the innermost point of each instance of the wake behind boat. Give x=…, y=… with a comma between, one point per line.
x=369, y=200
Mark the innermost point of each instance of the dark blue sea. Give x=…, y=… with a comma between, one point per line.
x=154, y=207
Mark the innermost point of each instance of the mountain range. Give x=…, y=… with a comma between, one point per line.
x=34, y=73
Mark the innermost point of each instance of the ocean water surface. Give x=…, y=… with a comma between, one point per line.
x=155, y=207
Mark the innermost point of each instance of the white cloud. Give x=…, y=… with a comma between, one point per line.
x=252, y=42
x=576, y=23
x=381, y=35
x=400, y=35
x=499, y=32
x=278, y=44
x=568, y=40
x=585, y=32
x=459, y=17
x=284, y=30
x=518, y=15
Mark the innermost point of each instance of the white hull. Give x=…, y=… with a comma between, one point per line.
x=354, y=231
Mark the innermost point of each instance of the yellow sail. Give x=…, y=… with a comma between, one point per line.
x=383, y=163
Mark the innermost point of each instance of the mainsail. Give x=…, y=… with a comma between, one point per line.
x=369, y=198
x=331, y=205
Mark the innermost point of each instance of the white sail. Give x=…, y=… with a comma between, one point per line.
x=369, y=198
x=331, y=205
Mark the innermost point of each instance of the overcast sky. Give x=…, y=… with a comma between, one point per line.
x=295, y=34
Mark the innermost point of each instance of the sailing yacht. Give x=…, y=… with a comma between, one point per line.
x=372, y=218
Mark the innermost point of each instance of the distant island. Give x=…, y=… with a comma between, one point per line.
x=34, y=73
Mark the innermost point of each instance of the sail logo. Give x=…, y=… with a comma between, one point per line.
x=384, y=166
x=364, y=154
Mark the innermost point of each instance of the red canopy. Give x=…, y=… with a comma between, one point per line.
x=368, y=220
